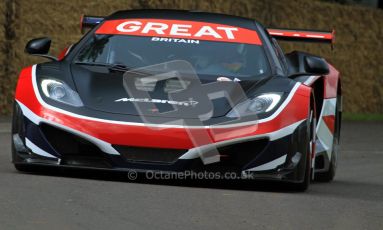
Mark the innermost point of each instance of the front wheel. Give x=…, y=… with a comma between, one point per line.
x=310, y=142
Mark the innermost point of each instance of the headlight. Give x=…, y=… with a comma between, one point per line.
x=261, y=104
x=60, y=92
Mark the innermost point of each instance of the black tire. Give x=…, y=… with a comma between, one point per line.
x=303, y=186
x=330, y=174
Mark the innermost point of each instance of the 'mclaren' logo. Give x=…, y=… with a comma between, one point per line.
x=159, y=101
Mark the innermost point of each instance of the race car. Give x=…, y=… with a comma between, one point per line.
x=177, y=91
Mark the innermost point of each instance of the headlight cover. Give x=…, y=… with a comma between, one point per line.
x=61, y=92
x=263, y=103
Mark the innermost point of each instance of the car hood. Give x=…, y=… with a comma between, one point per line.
x=157, y=93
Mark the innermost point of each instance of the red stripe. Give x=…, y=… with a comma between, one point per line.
x=331, y=83
x=329, y=120
x=63, y=53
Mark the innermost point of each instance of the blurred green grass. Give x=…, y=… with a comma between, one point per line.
x=362, y=117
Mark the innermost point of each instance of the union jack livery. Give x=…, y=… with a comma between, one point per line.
x=175, y=91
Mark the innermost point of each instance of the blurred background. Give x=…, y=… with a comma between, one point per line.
x=358, y=50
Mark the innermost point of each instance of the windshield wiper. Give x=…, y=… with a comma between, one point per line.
x=117, y=67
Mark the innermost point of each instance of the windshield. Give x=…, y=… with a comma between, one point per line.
x=217, y=59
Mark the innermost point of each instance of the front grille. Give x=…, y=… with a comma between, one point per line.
x=75, y=150
x=155, y=155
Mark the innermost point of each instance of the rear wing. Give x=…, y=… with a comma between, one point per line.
x=303, y=35
x=87, y=22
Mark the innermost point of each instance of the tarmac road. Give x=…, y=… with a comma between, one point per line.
x=73, y=200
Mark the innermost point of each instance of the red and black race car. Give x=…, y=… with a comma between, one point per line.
x=175, y=91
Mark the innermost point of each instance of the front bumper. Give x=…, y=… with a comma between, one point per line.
x=259, y=156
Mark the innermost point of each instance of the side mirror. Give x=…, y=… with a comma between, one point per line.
x=316, y=65
x=301, y=63
x=39, y=47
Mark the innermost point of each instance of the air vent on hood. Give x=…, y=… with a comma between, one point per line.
x=171, y=86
